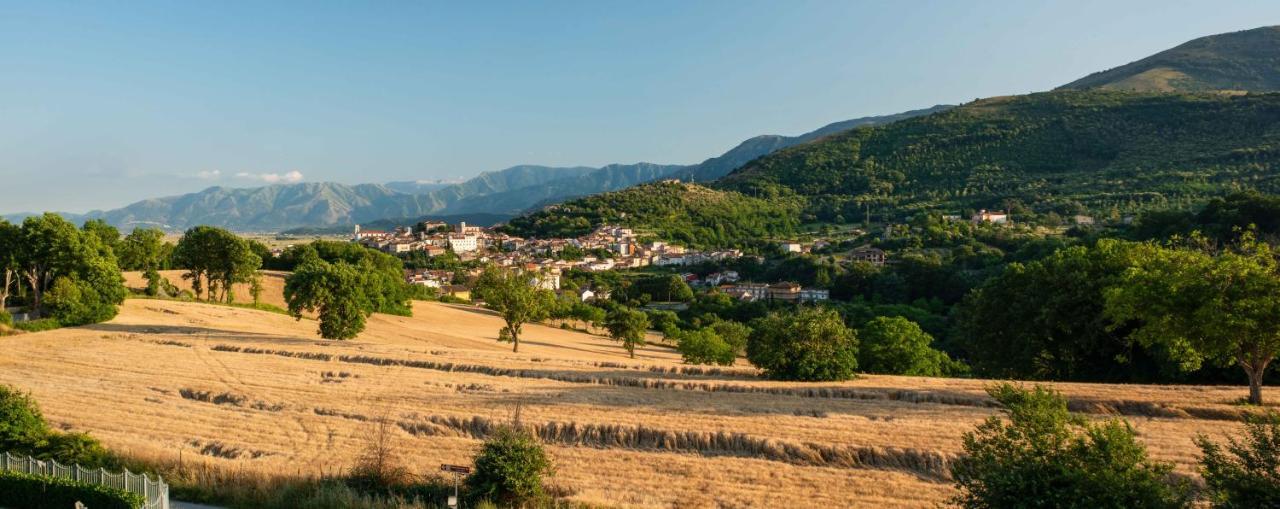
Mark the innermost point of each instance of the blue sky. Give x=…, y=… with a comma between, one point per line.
x=105, y=103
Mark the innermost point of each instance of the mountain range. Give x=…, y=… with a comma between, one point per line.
x=488, y=197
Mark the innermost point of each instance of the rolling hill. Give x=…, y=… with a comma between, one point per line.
x=687, y=213
x=1248, y=60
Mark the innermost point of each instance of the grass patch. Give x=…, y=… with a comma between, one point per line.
x=42, y=324
x=270, y=308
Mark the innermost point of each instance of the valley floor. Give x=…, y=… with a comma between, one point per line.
x=252, y=390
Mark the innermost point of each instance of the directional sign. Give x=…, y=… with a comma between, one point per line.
x=457, y=469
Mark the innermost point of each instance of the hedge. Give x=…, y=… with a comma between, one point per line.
x=26, y=491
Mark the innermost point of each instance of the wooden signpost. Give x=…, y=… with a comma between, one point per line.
x=456, y=470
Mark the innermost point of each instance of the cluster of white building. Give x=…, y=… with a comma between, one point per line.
x=485, y=244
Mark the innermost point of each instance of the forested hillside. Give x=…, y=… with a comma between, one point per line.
x=1068, y=152
x=687, y=213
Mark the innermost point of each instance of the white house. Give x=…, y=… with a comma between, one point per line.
x=991, y=216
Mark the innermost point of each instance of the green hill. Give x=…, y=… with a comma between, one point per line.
x=1248, y=60
x=1068, y=152
x=686, y=213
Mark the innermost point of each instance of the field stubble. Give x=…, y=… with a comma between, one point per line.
x=239, y=390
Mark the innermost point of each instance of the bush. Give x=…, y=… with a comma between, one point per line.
x=26, y=491
x=1244, y=473
x=39, y=325
x=6, y=319
x=510, y=468
x=22, y=426
x=1047, y=457
x=811, y=344
x=704, y=346
x=77, y=448
x=23, y=430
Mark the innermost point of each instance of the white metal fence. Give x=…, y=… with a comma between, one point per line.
x=156, y=492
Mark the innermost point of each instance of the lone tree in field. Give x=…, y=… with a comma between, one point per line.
x=515, y=295
x=811, y=345
x=334, y=291
x=1244, y=473
x=1218, y=307
x=628, y=326
x=1044, y=456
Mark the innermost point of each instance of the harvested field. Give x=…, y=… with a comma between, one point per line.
x=257, y=391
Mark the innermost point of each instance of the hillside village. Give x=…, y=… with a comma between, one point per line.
x=608, y=247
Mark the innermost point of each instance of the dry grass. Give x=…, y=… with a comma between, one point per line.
x=245, y=391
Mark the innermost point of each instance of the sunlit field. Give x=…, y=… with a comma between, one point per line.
x=249, y=390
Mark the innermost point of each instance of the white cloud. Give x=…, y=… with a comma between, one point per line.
x=209, y=174
x=273, y=178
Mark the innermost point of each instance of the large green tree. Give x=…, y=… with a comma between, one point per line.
x=1205, y=305
x=1045, y=320
x=704, y=346
x=215, y=260
x=896, y=346
x=517, y=297
x=73, y=267
x=810, y=344
x=334, y=292
x=143, y=249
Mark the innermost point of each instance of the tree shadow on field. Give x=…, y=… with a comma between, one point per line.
x=202, y=332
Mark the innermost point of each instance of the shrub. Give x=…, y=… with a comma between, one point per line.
x=1244, y=473
x=510, y=468
x=26, y=491
x=77, y=448
x=1047, y=457
x=6, y=319
x=22, y=426
x=23, y=430
x=704, y=346
x=42, y=324
x=811, y=344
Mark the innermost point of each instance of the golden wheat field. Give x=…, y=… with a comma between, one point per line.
x=251, y=390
